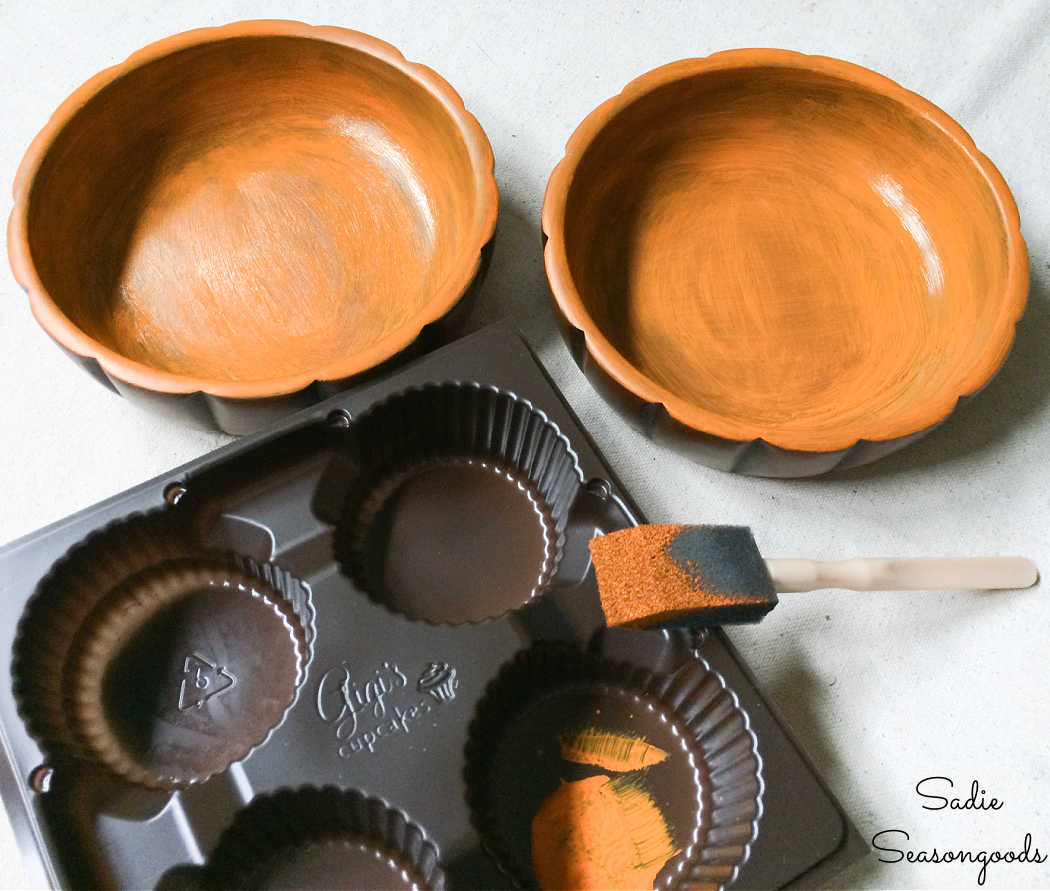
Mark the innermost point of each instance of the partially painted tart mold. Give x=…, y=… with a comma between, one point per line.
x=583, y=772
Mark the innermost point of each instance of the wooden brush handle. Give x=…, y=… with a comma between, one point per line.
x=900, y=574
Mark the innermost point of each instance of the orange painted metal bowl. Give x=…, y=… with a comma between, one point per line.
x=238, y=220
x=780, y=263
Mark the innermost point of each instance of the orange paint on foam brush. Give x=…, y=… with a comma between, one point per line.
x=712, y=575
x=660, y=574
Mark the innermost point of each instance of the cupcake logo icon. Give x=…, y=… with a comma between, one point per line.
x=439, y=680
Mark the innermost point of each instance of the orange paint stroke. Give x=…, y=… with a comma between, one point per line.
x=600, y=833
x=612, y=751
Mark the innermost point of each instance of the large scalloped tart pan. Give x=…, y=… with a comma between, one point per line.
x=236, y=221
x=782, y=264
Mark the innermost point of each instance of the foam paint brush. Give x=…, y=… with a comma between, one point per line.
x=715, y=575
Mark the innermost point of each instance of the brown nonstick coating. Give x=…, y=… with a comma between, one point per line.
x=182, y=670
x=323, y=838
x=457, y=512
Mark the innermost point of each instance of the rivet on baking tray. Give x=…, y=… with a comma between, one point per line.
x=338, y=418
x=697, y=638
x=599, y=488
x=40, y=778
x=173, y=492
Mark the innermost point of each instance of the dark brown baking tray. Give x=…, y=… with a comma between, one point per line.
x=290, y=495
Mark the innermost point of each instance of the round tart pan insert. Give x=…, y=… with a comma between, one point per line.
x=460, y=508
x=587, y=773
x=182, y=670
x=325, y=838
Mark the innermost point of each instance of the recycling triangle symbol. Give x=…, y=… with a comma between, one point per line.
x=201, y=680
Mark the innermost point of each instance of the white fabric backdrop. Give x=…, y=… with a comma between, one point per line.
x=882, y=690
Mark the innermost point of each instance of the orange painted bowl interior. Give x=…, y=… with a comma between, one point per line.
x=247, y=209
x=785, y=247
